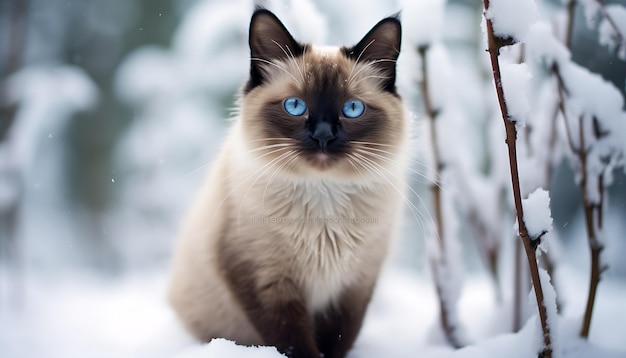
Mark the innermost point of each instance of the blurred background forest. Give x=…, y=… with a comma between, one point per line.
x=110, y=112
x=80, y=168
x=92, y=39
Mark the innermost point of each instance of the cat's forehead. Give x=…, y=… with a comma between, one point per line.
x=325, y=58
x=322, y=69
x=326, y=69
x=325, y=51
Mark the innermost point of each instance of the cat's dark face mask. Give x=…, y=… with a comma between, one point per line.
x=325, y=108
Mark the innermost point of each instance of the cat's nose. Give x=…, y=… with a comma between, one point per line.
x=323, y=134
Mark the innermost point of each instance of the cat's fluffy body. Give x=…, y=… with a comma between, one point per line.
x=284, y=244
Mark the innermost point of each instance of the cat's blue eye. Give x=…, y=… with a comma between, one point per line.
x=353, y=108
x=295, y=106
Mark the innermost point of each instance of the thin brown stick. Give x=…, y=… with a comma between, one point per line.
x=563, y=93
x=447, y=323
x=432, y=114
x=16, y=42
x=511, y=137
x=590, y=220
x=571, y=8
x=549, y=170
x=488, y=247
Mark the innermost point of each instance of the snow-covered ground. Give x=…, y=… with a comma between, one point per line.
x=81, y=316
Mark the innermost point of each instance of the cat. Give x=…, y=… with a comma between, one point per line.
x=286, y=239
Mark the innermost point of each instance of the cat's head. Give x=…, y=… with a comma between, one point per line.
x=310, y=110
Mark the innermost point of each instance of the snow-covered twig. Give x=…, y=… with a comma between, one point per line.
x=588, y=126
x=432, y=114
x=619, y=38
x=612, y=26
x=593, y=221
x=594, y=212
x=439, y=263
x=569, y=30
x=495, y=43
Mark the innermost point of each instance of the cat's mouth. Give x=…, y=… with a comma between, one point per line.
x=322, y=160
x=322, y=157
x=323, y=154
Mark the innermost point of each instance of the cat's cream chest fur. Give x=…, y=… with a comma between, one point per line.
x=334, y=231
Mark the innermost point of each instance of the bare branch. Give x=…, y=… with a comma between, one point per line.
x=511, y=136
x=448, y=322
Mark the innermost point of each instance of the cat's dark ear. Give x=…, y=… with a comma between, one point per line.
x=381, y=47
x=269, y=41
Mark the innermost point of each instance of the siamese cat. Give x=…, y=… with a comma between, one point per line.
x=287, y=237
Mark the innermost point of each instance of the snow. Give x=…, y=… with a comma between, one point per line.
x=219, y=348
x=549, y=302
x=439, y=76
x=145, y=74
x=515, y=81
x=79, y=316
x=49, y=96
x=594, y=95
x=607, y=34
x=304, y=21
x=544, y=46
x=537, y=216
x=422, y=22
x=591, y=9
x=597, y=106
x=512, y=18
x=526, y=345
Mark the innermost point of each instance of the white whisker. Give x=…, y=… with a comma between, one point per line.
x=275, y=65
x=366, y=66
x=269, y=146
x=358, y=59
x=367, y=145
x=411, y=205
x=266, y=167
x=270, y=139
x=234, y=172
x=373, y=143
x=201, y=167
x=287, y=162
x=389, y=160
x=370, y=77
x=255, y=158
x=291, y=56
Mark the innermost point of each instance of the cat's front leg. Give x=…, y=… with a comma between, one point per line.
x=337, y=327
x=277, y=309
